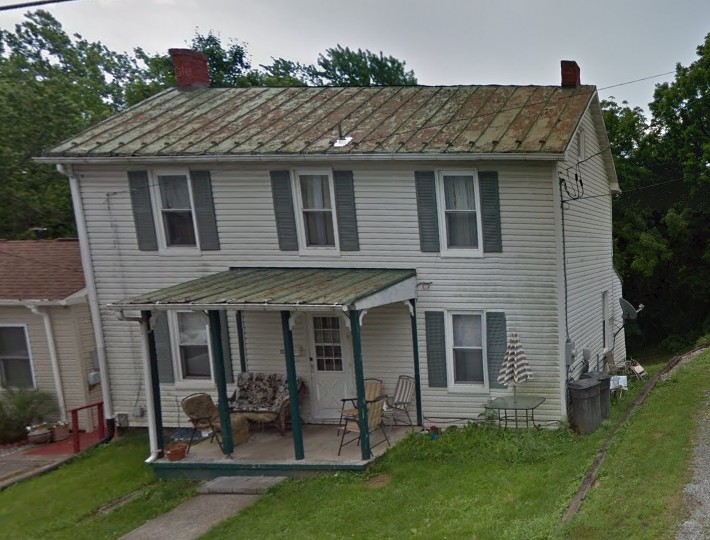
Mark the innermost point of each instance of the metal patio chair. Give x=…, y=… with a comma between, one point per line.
x=373, y=388
x=203, y=414
x=398, y=404
x=375, y=421
x=627, y=366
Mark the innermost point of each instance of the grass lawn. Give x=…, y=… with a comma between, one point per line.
x=475, y=482
x=66, y=503
x=639, y=494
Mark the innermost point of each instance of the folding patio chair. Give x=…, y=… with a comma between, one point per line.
x=627, y=366
x=399, y=403
x=203, y=414
x=374, y=421
x=373, y=388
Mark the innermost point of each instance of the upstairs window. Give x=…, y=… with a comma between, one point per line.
x=459, y=211
x=176, y=210
x=317, y=215
x=15, y=360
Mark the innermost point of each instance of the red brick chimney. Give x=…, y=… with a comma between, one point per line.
x=570, y=73
x=190, y=68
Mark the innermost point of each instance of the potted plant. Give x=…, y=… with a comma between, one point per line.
x=176, y=451
x=39, y=433
x=60, y=431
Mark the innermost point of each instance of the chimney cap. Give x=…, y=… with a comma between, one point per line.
x=570, y=73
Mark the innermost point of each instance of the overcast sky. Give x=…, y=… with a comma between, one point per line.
x=443, y=41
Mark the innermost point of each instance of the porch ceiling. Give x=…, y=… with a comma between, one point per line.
x=278, y=289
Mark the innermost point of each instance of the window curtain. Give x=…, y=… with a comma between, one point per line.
x=317, y=214
x=461, y=226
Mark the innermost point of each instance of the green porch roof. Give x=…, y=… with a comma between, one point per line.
x=283, y=288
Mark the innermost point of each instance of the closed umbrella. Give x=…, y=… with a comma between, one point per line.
x=515, y=368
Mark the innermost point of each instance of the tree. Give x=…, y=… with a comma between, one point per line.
x=51, y=86
x=341, y=66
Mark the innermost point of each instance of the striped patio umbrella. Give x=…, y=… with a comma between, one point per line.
x=515, y=368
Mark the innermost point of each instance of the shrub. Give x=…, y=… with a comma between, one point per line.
x=21, y=407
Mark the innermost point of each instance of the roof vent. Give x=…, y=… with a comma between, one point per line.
x=190, y=68
x=342, y=140
x=570, y=73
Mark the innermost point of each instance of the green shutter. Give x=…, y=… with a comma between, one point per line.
x=226, y=346
x=496, y=345
x=436, y=348
x=161, y=332
x=142, y=210
x=427, y=211
x=345, y=210
x=490, y=212
x=283, y=210
x=204, y=210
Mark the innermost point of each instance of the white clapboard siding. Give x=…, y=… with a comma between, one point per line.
x=521, y=281
x=588, y=233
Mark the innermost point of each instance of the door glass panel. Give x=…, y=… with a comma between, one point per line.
x=326, y=334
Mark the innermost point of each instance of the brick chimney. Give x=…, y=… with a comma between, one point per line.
x=570, y=73
x=190, y=68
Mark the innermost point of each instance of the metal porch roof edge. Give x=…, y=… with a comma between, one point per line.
x=272, y=288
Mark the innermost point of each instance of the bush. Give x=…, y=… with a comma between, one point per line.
x=19, y=408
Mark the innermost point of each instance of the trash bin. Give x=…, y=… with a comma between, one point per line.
x=586, y=412
x=604, y=392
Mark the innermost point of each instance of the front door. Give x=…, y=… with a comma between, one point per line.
x=331, y=370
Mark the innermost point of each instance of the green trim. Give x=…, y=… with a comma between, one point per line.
x=360, y=384
x=242, y=342
x=206, y=471
x=154, y=380
x=417, y=374
x=292, y=386
x=221, y=381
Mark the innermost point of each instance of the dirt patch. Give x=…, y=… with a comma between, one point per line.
x=378, y=481
x=656, y=434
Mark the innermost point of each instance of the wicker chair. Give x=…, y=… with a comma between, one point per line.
x=374, y=421
x=203, y=414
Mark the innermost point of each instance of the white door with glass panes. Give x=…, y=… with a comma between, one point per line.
x=331, y=369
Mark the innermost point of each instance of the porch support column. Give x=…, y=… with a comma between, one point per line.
x=221, y=381
x=292, y=386
x=360, y=384
x=242, y=343
x=415, y=349
x=152, y=387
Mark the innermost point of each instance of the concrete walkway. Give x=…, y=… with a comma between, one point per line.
x=16, y=464
x=218, y=500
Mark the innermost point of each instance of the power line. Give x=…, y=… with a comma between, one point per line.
x=637, y=80
x=32, y=4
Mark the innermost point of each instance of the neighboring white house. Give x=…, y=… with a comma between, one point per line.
x=493, y=201
x=46, y=337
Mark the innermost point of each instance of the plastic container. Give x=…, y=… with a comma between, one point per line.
x=604, y=392
x=586, y=410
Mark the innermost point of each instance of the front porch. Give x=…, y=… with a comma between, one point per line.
x=271, y=454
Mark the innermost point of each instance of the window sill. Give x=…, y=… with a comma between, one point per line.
x=170, y=252
x=470, y=389
x=319, y=252
x=463, y=254
x=196, y=384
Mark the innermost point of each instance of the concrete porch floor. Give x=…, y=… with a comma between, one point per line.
x=269, y=453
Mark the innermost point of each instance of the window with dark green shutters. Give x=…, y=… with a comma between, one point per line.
x=173, y=210
x=192, y=345
x=459, y=211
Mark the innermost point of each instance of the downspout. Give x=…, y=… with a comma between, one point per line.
x=67, y=171
x=53, y=360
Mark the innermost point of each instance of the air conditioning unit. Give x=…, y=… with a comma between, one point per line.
x=93, y=378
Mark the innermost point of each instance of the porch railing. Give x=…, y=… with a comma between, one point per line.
x=76, y=439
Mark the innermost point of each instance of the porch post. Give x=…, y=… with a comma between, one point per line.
x=242, y=343
x=152, y=386
x=360, y=384
x=415, y=349
x=292, y=386
x=221, y=381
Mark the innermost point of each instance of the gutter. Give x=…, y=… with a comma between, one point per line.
x=93, y=296
x=270, y=158
x=54, y=360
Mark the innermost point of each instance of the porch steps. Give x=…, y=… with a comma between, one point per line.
x=239, y=485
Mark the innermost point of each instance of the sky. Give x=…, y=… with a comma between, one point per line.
x=445, y=42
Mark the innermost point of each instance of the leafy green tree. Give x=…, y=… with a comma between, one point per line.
x=341, y=66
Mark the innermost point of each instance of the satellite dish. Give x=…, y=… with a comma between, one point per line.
x=629, y=311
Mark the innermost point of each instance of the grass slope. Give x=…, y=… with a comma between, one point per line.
x=65, y=503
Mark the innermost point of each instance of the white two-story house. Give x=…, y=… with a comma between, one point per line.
x=337, y=234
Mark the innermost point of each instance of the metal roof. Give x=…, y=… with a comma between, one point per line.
x=303, y=121
x=274, y=288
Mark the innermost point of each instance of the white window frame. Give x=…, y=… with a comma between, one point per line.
x=445, y=250
x=157, y=203
x=26, y=329
x=175, y=349
x=452, y=385
x=303, y=246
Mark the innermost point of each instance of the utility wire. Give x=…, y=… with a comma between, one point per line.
x=32, y=4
